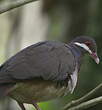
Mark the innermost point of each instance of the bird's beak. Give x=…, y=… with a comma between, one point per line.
x=95, y=57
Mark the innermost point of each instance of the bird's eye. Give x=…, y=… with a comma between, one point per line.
x=87, y=43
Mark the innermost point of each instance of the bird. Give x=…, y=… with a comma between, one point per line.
x=45, y=70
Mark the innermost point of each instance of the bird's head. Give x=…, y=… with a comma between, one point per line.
x=87, y=45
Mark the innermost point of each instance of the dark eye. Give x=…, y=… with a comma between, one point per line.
x=87, y=43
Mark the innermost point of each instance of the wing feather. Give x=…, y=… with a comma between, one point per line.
x=48, y=60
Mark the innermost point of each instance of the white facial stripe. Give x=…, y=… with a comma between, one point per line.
x=83, y=46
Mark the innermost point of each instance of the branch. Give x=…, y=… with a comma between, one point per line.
x=84, y=98
x=7, y=6
x=87, y=104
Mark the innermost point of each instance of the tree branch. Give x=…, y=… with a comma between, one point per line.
x=87, y=104
x=84, y=98
x=7, y=6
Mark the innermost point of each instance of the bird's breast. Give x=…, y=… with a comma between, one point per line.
x=37, y=91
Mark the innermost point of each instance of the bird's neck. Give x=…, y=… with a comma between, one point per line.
x=77, y=52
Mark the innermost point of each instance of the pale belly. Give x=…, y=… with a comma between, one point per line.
x=36, y=91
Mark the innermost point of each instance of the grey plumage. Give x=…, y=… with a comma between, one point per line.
x=44, y=71
x=47, y=60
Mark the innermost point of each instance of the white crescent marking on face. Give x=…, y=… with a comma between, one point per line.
x=83, y=46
